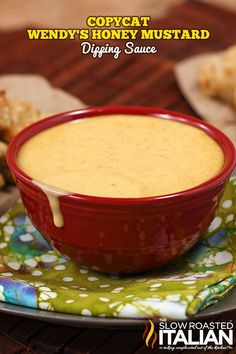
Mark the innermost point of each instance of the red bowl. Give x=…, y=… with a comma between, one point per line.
x=124, y=234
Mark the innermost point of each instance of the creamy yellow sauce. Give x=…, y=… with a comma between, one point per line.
x=53, y=195
x=121, y=156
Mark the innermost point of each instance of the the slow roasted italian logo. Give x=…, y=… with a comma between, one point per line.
x=149, y=334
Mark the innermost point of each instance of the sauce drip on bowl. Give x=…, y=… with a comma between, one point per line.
x=53, y=199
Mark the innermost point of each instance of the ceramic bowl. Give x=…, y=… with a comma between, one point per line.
x=124, y=235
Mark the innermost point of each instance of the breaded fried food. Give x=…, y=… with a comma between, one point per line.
x=217, y=77
x=2, y=181
x=14, y=116
x=3, y=164
x=3, y=150
x=5, y=173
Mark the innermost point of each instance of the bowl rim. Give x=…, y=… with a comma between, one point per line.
x=89, y=112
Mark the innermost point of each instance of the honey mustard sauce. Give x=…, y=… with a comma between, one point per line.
x=119, y=156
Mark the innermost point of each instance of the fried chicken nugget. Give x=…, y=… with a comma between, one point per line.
x=3, y=150
x=2, y=181
x=5, y=173
x=217, y=77
x=3, y=164
x=14, y=116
